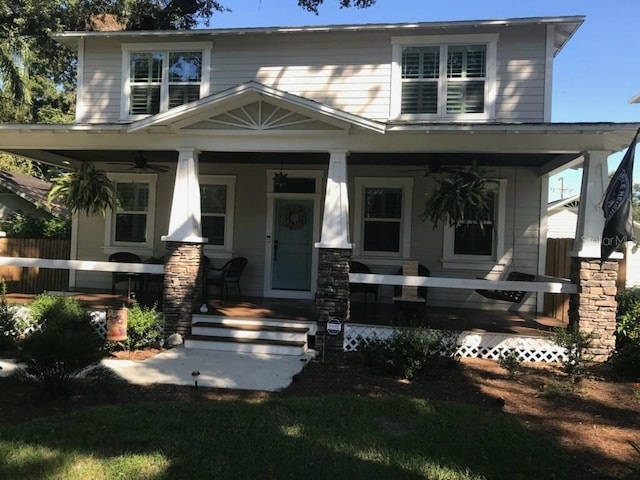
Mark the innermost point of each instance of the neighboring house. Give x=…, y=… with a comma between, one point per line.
x=563, y=217
x=280, y=143
x=26, y=194
x=562, y=222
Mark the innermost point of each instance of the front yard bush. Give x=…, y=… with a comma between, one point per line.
x=626, y=358
x=408, y=352
x=144, y=326
x=576, y=343
x=8, y=326
x=62, y=344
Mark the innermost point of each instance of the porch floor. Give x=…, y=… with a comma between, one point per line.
x=443, y=318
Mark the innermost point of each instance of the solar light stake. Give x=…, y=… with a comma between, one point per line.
x=195, y=374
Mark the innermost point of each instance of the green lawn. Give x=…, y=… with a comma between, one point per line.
x=280, y=438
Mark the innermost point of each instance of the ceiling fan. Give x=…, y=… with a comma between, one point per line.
x=436, y=167
x=140, y=164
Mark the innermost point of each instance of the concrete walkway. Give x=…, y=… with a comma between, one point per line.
x=217, y=369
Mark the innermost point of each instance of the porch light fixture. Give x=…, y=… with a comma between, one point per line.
x=279, y=180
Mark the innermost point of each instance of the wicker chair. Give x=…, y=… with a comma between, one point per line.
x=221, y=278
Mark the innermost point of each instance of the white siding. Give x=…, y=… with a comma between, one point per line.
x=346, y=70
x=102, y=81
x=521, y=74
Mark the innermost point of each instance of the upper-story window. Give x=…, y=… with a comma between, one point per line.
x=444, y=77
x=158, y=77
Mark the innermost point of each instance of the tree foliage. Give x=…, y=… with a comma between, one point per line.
x=312, y=5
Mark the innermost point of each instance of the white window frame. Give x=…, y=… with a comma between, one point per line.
x=140, y=248
x=444, y=41
x=229, y=181
x=454, y=261
x=361, y=184
x=165, y=48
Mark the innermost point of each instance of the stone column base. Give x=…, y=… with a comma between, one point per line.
x=332, y=296
x=594, y=307
x=182, y=286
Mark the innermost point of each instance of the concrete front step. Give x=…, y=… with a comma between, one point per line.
x=250, y=331
x=246, y=345
x=275, y=322
x=250, y=335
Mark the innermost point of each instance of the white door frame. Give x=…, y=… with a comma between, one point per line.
x=268, y=252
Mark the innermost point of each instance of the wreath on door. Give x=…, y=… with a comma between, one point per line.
x=294, y=217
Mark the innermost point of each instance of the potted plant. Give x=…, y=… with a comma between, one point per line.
x=87, y=189
x=461, y=197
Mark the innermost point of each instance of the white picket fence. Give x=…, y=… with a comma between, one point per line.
x=470, y=344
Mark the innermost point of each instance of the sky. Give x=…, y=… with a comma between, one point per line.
x=595, y=74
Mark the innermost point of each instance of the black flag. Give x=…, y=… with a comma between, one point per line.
x=618, y=219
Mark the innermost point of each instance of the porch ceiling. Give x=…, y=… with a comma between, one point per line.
x=406, y=159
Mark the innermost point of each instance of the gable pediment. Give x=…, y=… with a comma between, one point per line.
x=261, y=116
x=253, y=107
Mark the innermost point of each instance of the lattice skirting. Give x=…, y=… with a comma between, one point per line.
x=471, y=344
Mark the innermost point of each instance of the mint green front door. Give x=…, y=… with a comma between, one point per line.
x=292, y=245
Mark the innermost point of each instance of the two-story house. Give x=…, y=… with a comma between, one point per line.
x=278, y=144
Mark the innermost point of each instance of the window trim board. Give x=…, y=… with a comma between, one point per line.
x=490, y=88
x=230, y=182
x=362, y=183
x=164, y=47
x=110, y=245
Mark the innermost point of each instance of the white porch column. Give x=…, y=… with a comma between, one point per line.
x=590, y=216
x=335, y=220
x=184, y=223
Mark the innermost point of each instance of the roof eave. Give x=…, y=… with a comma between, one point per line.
x=70, y=38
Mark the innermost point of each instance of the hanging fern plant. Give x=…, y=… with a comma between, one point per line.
x=88, y=190
x=461, y=197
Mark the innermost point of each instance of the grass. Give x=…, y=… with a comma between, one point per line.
x=289, y=437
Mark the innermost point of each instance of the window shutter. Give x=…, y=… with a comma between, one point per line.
x=145, y=100
x=465, y=97
x=180, y=94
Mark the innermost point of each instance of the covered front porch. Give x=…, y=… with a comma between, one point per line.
x=355, y=187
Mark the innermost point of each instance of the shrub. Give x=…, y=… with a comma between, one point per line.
x=511, y=362
x=407, y=353
x=565, y=388
x=8, y=328
x=64, y=344
x=628, y=316
x=575, y=342
x=144, y=325
x=626, y=358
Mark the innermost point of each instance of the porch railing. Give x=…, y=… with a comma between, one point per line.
x=542, y=284
x=94, y=265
